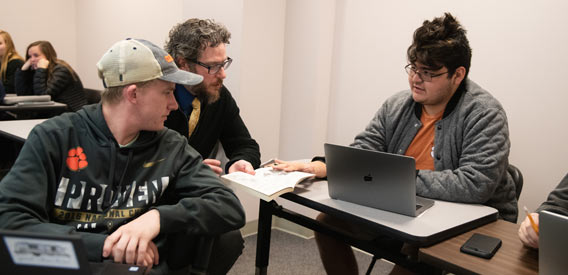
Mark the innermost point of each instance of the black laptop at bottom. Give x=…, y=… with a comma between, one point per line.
x=45, y=254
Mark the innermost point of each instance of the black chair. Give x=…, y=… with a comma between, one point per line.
x=93, y=96
x=200, y=263
x=182, y=247
x=517, y=178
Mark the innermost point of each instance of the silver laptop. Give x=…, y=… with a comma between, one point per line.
x=553, y=242
x=44, y=99
x=46, y=254
x=375, y=179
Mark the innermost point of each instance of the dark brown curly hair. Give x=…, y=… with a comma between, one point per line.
x=441, y=42
x=190, y=38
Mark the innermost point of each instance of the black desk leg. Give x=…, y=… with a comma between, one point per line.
x=263, y=237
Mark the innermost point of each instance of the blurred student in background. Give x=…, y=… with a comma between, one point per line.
x=10, y=61
x=44, y=74
x=557, y=202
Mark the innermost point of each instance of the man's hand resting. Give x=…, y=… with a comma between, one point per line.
x=132, y=242
x=215, y=165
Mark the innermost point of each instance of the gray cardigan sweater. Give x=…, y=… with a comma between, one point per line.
x=558, y=199
x=471, y=147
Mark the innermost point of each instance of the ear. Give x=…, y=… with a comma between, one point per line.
x=130, y=93
x=182, y=63
x=459, y=75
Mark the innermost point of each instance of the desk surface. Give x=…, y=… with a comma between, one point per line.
x=18, y=129
x=511, y=258
x=441, y=221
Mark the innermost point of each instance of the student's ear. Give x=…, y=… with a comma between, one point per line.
x=129, y=93
x=182, y=63
x=459, y=75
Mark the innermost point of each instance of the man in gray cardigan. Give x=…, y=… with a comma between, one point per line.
x=456, y=131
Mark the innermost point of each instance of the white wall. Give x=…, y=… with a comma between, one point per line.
x=309, y=72
x=307, y=77
x=101, y=23
x=261, y=79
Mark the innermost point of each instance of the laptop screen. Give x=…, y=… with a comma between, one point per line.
x=553, y=241
x=375, y=179
x=33, y=253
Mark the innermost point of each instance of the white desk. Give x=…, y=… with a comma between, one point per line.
x=26, y=111
x=442, y=221
x=427, y=228
x=18, y=129
x=54, y=107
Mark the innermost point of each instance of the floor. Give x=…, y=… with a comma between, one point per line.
x=291, y=254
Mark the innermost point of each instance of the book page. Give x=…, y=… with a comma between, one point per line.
x=267, y=180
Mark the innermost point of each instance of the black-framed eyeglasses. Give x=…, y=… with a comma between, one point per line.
x=425, y=75
x=215, y=68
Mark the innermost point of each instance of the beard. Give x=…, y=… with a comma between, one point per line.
x=208, y=93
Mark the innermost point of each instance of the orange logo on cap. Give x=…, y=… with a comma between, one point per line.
x=169, y=58
x=76, y=159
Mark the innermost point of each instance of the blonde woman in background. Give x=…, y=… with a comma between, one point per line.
x=10, y=61
x=43, y=73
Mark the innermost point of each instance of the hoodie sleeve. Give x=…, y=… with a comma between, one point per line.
x=204, y=205
x=27, y=193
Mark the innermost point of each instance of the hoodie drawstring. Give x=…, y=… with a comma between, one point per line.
x=108, y=200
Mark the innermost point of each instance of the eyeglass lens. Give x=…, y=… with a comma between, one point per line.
x=411, y=70
x=217, y=67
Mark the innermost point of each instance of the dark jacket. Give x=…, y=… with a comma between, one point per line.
x=557, y=199
x=2, y=92
x=62, y=87
x=71, y=177
x=219, y=121
x=10, y=79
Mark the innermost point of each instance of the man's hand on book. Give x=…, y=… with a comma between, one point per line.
x=242, y=166
x=315, y=167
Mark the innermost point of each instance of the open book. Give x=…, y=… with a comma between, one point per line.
x=267, y=184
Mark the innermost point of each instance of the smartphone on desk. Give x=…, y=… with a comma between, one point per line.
x=481, y=246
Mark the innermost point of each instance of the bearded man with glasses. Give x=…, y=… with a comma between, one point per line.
x=208, y=113
x=456, y=131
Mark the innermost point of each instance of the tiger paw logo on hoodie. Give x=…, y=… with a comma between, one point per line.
x=76, y=159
